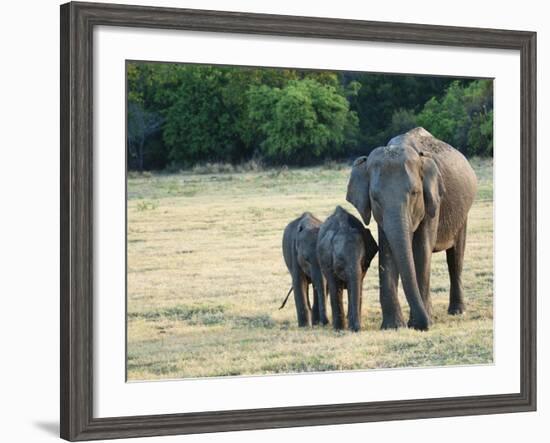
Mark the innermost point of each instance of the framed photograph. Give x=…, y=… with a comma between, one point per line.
x=273, y=221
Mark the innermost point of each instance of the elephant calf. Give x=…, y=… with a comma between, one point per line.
x=345, y=249
x=299, y=251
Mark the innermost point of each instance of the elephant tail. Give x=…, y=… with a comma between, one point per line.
x=286, y=298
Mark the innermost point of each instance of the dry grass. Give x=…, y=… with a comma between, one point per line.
x=206, y=278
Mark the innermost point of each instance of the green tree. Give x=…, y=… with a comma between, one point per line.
x=199, y=124
x=183, y=114
x=206, y=109
x=302, y=121
x=142, y=124
x=382, y=95
x=402, y=121
x=480, y=136
x=152, y=89
x=463, y=117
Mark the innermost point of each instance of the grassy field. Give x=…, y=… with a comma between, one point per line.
x=206, y=278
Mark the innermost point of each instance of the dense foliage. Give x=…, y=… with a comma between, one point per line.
x=302, y=121
x=180, y=115
x=463, y=117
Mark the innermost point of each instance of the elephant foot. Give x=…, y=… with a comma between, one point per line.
x=315, y=317
x=393, y=323
x=320, y=320
x=354, y=323
x=456, y=309
x=419, y=325
x=305, y=319
x=428, y=308
x=338, y=324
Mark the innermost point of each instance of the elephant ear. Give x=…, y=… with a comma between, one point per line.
x=358, y=189
x=432, y=184
x=370, y=246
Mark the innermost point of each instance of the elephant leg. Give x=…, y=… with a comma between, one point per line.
x=303, y=309
x=388, y=275
x=315, y=308
x=323, y=318
x=320, y=308
x=336, y=302
x=319, y=300
x=455, y=261
x=422, y=252
x=354, y=285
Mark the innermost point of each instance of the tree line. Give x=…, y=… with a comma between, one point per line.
x=179, y=115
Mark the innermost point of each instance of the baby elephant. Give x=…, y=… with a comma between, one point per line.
x=345, y=249
x=299, y=251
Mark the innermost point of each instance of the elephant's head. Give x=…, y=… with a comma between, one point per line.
x=400, y=186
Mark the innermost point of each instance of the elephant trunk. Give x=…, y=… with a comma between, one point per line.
x=399, y=237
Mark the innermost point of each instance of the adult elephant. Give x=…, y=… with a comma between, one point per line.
x=420, y=190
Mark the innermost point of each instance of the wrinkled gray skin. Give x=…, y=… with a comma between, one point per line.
x=299, y=251
x=420, y=190
x=345, y=249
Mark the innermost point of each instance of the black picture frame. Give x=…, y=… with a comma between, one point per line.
x=77, y=23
